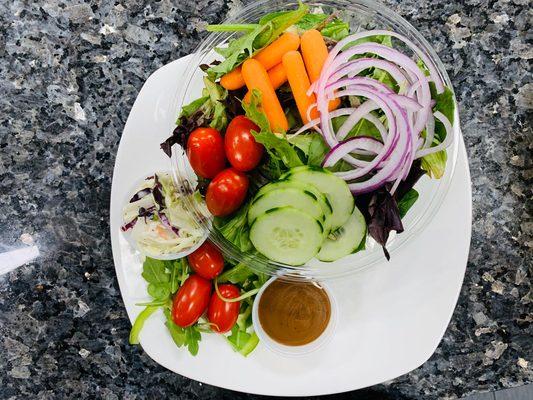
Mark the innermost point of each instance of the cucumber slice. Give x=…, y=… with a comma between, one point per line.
x=302, y=200
x=293, y=184
x=287, y=235
x=345, y=240
x=335, y=189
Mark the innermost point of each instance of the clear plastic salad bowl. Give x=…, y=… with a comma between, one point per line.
x=361, y=15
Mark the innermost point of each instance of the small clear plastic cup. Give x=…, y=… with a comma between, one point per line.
x=361, y=15
x=296, y=351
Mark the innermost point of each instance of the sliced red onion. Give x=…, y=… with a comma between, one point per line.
x=354, y=67
x=378, y=124
x=447, y=140
x=342, y=149
x=381, y=100
x=396, y=158
x=406, y=102
x=400, y=59
x=434, y=75
x=430, y=131
x=355, y=117
x=336, y=113
x=407, y=113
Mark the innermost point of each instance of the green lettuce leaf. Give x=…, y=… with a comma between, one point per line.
x=313, y=146
x=362, y=128
x=278, y=148
x=270, y=27
x=407, y=201
x=435, y=164
x=335, y=28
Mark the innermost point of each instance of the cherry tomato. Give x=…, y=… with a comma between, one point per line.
x=205, y=150
x=243, y=152
x=226, y=192
x=206, y=261
x=191, y=300
x=223, y=314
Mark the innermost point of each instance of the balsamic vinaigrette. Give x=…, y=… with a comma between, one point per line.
x=294, y=313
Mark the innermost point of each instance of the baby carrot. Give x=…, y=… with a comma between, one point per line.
x=299, y=81
x=314, y=52
x=269, y=57
x=232, y=80
x=256, y=77
x=277, y=78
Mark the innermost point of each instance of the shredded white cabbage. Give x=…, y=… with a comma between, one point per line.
x=153, y=237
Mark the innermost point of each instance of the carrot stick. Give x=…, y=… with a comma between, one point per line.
x=232, y=80
x=299, y=81
x=314, y=52
x=277, y=78
x=269, y=57
x=256, y=77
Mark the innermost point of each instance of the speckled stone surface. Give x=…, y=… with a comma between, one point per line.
x=69, y=73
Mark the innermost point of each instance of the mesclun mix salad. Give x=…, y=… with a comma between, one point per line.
x=306, y=139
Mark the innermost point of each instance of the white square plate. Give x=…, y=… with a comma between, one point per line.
x=392, y=316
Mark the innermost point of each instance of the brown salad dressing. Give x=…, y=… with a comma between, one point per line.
x=294, y=313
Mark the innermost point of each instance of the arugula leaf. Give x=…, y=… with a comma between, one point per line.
x=154, y=271
x=238, y=274
x=159, y=291
x=192, y=338
x=270, y=27
x=407, y=201
x=176, y=332
x=278, y=148
x=189, y=336
x=334, y=28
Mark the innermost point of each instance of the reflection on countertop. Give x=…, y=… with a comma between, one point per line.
x=69, y=75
